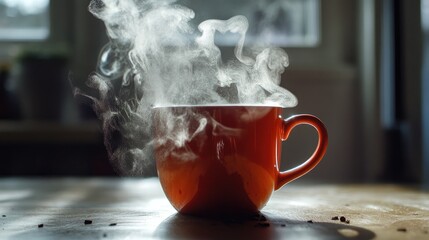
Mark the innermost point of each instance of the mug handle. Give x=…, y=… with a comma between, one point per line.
x=287, y=126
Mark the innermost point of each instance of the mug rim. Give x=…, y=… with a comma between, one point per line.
x=217, y=105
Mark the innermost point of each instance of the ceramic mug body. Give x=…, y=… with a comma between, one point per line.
x=224, y=160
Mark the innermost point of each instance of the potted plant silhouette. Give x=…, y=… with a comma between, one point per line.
x=41, y=81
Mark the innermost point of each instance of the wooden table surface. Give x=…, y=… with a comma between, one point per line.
x=123, y=208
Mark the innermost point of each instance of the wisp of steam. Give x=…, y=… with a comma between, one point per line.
x=156, y=57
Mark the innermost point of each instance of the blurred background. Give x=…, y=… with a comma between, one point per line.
x=362, y=66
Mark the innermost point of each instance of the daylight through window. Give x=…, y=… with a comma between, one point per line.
x=24, y=19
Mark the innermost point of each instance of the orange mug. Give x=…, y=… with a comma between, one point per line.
x=224, y=160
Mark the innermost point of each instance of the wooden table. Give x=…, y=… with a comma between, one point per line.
x=123, y=208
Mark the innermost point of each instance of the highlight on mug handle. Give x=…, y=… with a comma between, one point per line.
x=287, y=126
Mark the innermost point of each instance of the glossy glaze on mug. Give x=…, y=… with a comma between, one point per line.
x=223, y=160
x=236, y=165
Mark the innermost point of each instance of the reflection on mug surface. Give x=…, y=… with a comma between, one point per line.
x=217, y=160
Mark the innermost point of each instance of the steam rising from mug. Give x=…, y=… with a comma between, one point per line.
x=155, y=57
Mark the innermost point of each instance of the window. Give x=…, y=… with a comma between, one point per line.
x=285, y=23
x=425, y=90
x=24, y=19
x=425, y=15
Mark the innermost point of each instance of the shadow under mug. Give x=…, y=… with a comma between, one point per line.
x=224, y=160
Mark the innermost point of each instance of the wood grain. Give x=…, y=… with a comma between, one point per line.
x=125, y=208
